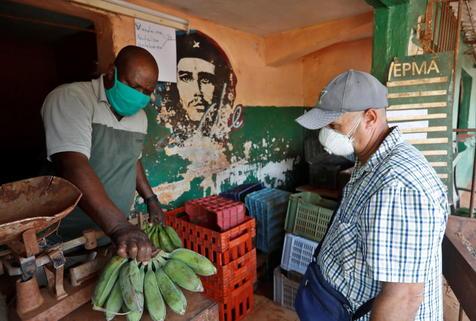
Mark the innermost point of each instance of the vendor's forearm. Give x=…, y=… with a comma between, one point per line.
x=95, y=202
x=397, y=302
x=142, y=184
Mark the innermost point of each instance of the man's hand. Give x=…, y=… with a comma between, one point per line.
x=155, y=212
x=132, y=242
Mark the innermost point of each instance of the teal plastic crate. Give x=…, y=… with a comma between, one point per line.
x=309, y=215
x=269, y=207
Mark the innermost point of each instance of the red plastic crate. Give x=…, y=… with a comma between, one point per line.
x=198, y=215
x=231, y=276
x=219, y=247
x=238, y=304
x=215, y=212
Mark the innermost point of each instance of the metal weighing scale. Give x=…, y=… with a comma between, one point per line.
x=30, y=213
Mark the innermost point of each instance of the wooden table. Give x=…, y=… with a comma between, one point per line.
x=199, y=308
x=459, y=261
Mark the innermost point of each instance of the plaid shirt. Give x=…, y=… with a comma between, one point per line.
x=389, y=228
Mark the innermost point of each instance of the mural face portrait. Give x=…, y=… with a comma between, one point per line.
x=201, y=101
x=196, y=86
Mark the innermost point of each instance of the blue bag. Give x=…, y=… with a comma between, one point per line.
x=317, y=300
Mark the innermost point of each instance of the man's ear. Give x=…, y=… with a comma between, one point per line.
x=370, y=117
x=110, y=71
x=109, y=76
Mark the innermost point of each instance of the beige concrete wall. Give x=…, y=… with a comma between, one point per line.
x=320, y=67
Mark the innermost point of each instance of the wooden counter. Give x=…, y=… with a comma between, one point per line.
x=199, y=308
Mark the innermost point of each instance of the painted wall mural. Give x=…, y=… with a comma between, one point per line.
x=200, y=103
x=200, y=143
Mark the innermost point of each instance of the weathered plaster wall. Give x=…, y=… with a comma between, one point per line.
x=268, y=148
x=321, y=66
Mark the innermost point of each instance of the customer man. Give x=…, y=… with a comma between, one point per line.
x=385, y=238
x=94, y=134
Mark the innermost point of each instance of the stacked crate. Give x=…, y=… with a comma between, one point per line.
x=215, y=212
x=233, y=254
x=285, y=289
x=307, y=218
x=268, y=206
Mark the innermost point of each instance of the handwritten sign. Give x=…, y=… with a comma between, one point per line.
x=160, y=42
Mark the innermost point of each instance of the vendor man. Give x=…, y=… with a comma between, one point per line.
x=94, y=135
x=384, y=242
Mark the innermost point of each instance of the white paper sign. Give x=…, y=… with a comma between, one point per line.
x=410, y=124
x=160, y=42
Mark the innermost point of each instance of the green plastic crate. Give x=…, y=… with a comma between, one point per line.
x=308, y=215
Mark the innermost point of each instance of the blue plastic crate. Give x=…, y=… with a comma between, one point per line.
x=269, y=243
x=273, y=227
x=239, y=193
x=252, y=198
x=270, y=210
x=269, y=207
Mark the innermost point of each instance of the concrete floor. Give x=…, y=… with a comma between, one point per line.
x=451, y=305
x=267, y=310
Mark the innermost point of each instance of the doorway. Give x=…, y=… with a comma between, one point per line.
x=39, y=50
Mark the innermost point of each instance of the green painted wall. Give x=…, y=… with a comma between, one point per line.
x=464, y=160
x=394, y=21
x=268, y=147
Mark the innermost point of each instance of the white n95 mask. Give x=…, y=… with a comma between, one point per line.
x=337, y=143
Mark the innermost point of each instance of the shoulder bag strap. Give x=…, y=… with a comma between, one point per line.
x=367, y=306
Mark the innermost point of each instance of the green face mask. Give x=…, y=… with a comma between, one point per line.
x=125, y=100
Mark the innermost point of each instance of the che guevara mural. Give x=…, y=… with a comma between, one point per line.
x=198, y=141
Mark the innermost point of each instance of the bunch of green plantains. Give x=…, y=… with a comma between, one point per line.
x=127, y=287
x=163, y=237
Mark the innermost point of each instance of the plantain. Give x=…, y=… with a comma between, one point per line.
x=107, y=280
x=165, y=241
x=156, y=240
x=172, y=295
x=153, y=298
x=114, y=302
x=132, y=286
x=197, y=262
x=184, y=276
x=173, y=236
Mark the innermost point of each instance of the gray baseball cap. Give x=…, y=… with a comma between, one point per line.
x=350, y=91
